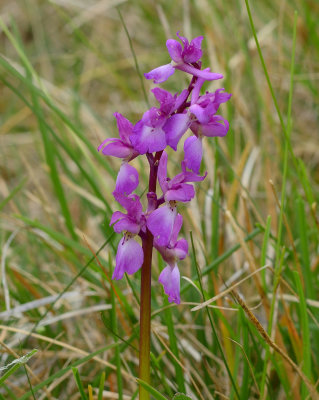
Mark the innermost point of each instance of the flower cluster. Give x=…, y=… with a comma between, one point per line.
x=161, y=127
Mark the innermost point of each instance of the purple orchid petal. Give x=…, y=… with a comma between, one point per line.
x=125, y=127
x=103, y=144
x=176, y=229
x=147, y=138
x=170, y=279
x=153, y=117
x=193, y=51
x=217, y=127
x=116, y=216
x=182, y=39
x=191, y=176
x=197, y=87
x=203, y=115
x=129, y=258
x=126, y=224
x=181, y=98
x=175, y=50
x=175, y=127
x=160, y=74
x=160, y=222
x=208, y=76
x=131, y=204
x=184, y=193
x=221, y=96
x=117, y=149
x=193, y=153
x=181, y=249
x=162, y=172
x=165, y=98
x=127, y=179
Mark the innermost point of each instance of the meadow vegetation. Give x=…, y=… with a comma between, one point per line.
x=65, y=68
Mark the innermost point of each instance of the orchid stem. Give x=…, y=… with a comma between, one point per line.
x=145, y=316
x=145, y=308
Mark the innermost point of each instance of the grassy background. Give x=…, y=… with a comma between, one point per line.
x=65, y=68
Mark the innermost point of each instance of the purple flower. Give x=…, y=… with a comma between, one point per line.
x=161, y=222
x=127, y=179
x=134, y=220
x=174, y=251
x=201, y=118
x=149, y=134
x=129, y=257
x=121, y=148
x=170, y=279
x=182, y=58
x=176, y=189
x=160, y=74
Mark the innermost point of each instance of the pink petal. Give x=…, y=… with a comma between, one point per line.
x=170, y=279
x=175, y=127
x=160, y=222
x=117, y=149
x=131, y=203
x=148, y=139
x=219, y=127
x=162, y=172
x=208, y=76
x=127, y=179
x=193, y=153
x=193, y=51
x=126, y=224
x=124, y=126
x=175, y=50
x=184, y=193
x=129, y=258
x=176, y=229
x=202, y=114
x=160, y=74
x=181, y=249
x=116, y=216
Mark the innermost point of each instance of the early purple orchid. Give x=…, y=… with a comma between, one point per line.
x=129, y=256
x=182, y=59
x=159, y=127
x=149, y=134
x=121, y=148
x=174, y=251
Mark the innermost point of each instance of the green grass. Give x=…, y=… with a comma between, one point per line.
x=64, y=71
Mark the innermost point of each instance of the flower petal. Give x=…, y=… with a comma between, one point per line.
x=148, y=139
x=117, y=149
x=175, y=50
x=170, y=279
x=124, y=126
x=193, y=153
x=131, y=204
x=218, y=127
x=127, y=179
x=181, y=249
x=176, y=229
x=165, y=99
x=183, y=193
x=160, y=74
x=160, y=222
x=126, y=224
x=116, y=216
x=208, y=76
x=193, y=51
x=129, y=258
x=175, y=127
x=162, y=172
